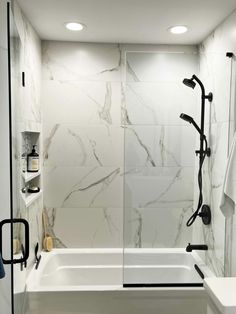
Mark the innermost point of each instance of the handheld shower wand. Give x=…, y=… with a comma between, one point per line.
x=201, y=211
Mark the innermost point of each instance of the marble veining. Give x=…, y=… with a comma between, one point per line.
x=103, y=183
x=60, y=66
x=144, y=227
x=120, y=61
x=131, y=72
x=104, y=113
x=138, y=232
x=95, y=154
x=140, y=99
x=163, y=193
x=144, y=147
x=164, y=151
x=123, y=143
x=50, y=222
x=111, y=226
x=48, y=140
x=81, y=144
x=186, y=213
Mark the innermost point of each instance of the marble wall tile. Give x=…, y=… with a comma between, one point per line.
x=94, y=113
x=92, y=227
x=83, y=187
x=156, y=146
x=160, y=48
x=215, y=71
x=219, y=141
x=85, y=103
x=222, y=39
x=83, y=146
x=213, y=237
x=159, y=187
x=31, y=65
x=158, y=103
x=73, y=61
x=146, y=227
x=216, y=233
x=162, y=67
x=83, y=142
x=218, y=73
x=159, y=149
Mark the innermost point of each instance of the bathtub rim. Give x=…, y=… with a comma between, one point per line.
x=46, y=256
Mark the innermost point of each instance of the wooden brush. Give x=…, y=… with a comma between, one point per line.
x=47, y=241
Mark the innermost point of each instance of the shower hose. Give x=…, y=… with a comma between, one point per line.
x=200, y=199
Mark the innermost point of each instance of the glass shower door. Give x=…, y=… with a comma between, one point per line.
x=14, y=229
x=159, y=169
x=5, y=282
x=20, y=228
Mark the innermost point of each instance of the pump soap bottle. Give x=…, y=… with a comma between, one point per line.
x=33, y=161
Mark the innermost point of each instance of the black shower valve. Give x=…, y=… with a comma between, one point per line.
x=205, y=214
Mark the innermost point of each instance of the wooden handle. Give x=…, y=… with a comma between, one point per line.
x=44, y=224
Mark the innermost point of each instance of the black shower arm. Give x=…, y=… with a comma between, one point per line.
x=204, y=96
x=194, y=77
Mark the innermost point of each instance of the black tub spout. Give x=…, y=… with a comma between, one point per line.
x=201, y=247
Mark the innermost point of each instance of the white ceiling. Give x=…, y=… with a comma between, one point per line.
x=127, y=21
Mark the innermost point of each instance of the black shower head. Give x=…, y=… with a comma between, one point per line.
x=189, y=119
x=189, y=83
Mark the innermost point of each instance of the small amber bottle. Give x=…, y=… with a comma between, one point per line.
x=33, y=161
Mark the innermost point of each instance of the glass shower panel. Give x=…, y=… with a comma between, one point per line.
x=18, y=208
x=159, y=169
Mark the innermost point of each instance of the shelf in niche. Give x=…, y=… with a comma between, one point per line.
x=30, y=198
x=28, y=176
x=31, y=127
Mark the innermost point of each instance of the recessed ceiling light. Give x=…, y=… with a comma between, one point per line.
x=74, y=26
x=178, y=29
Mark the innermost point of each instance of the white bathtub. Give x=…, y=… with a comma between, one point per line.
x=91, y=281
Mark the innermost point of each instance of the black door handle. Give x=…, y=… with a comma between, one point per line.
x=26, y=252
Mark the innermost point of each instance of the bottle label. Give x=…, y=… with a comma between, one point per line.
x=33, y=164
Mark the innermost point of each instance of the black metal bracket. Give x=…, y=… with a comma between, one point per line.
x=209, y=97
x=23, y=78
x=37, y=258
x=207, y=152
x=205, y=214
x=200, y=273
x=229, y=54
